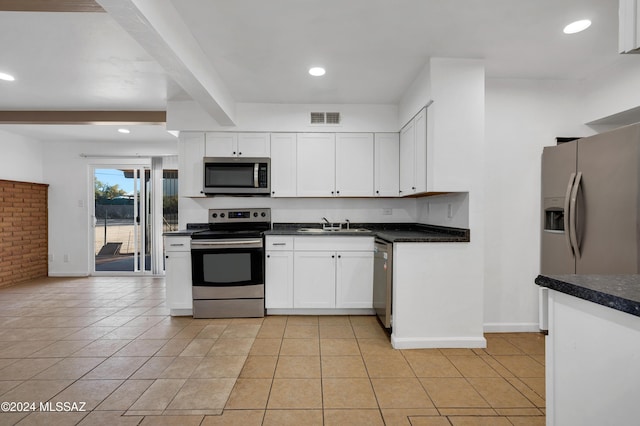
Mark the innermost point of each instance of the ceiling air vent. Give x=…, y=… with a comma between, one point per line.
x=317, y=118
x=333, y=118
x=325, y=118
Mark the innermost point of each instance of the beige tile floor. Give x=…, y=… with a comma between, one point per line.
x=108, y=343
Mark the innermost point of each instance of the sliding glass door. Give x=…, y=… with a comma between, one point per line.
x=122, y=220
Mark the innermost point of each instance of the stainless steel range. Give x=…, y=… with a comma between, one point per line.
x=227, y=262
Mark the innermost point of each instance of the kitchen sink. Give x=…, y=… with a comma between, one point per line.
x=330, y=231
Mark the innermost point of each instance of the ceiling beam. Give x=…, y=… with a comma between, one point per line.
x=159, y=29
x=83, y=117
x=50, y=6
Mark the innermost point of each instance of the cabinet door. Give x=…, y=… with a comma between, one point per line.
x=354, y=280
x=420, y=151
x=354, y=164
x=178, y=280
x=283, y=164
x=254, y=144
x=316, y=164
x=278, y=285
x=190, y=164
x=387, y=165
x=407, y=160
x=314, y=275
x=221, y=144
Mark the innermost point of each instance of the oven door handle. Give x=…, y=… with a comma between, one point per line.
x=222, y=244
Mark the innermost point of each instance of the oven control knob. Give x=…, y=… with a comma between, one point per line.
x=221, y=214
x=214, y=215
x=263, y=214
x=255, y=214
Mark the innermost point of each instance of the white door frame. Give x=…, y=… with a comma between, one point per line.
x=139, y=256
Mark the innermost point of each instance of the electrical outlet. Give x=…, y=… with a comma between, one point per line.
x=449, y=211
x=66, y=258
x=387, y=212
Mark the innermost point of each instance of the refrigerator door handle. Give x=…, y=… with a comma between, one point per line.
x=572, y=215
x=567, y=210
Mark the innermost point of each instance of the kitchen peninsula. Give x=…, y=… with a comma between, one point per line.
x=592, y=349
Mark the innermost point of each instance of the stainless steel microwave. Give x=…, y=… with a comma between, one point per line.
x=237, y=176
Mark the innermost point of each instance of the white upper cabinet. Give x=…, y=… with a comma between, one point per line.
x=386, y=181
x=628, y=26
x=354, y=165
x=283, y=164
x=316, y=164
x=224, y=144
x=191, y=152
x=413, y=155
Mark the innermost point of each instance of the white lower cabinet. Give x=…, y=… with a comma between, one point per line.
x=178, y=283
x=314, y=277
x=319, y=273
x=354, y=279
x=278, y=291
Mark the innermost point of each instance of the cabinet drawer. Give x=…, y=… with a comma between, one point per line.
x=334, y=243
x=281, y=243
x=178, y=243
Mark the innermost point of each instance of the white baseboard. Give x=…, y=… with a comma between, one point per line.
x=357, y=311
x=67, y=274
x=515, y=327
x=181, y=312
x=440, y=342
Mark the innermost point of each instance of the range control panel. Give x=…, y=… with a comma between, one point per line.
x=239, y=215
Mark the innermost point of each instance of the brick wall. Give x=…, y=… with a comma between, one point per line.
x=23, y=231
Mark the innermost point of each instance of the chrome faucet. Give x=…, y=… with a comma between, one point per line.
x=348, y=223
x=326, y=220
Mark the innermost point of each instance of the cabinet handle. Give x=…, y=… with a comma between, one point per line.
x=339, y=256
x=413, y=187
x=239, y=153
x=333, y=256
x=268, y=255
x=234, y=153
x=279, y=244
x=331, y=192
x=338, y=192
x=273, y=192
x=167, y=257
x=377, y=192
x=176, y=245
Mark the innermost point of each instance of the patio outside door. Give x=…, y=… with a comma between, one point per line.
x=122, y=219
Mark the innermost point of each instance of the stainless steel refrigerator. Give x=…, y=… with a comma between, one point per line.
x=591, y=205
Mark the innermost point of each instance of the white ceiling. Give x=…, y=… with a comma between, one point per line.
x=261, y=51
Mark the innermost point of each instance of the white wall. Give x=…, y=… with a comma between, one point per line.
x=21, y=158
x=70, y=188
x=310, y=210
x=187, y=115
x=522, y=117
x=613, y=90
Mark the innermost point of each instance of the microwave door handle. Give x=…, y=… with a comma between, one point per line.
x=567, y=205
x=256, y=169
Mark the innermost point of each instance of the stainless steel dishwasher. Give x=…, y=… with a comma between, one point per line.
x=383, y=280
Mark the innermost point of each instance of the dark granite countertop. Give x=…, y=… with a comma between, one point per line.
x=620, y=292
x=179, y=233
x=392, y=232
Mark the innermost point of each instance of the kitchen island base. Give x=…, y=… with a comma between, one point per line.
x=592, y=362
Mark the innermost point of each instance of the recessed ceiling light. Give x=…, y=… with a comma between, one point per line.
x=6, y=77
x=317, y=71
x=126, y=131
x=577, y=26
